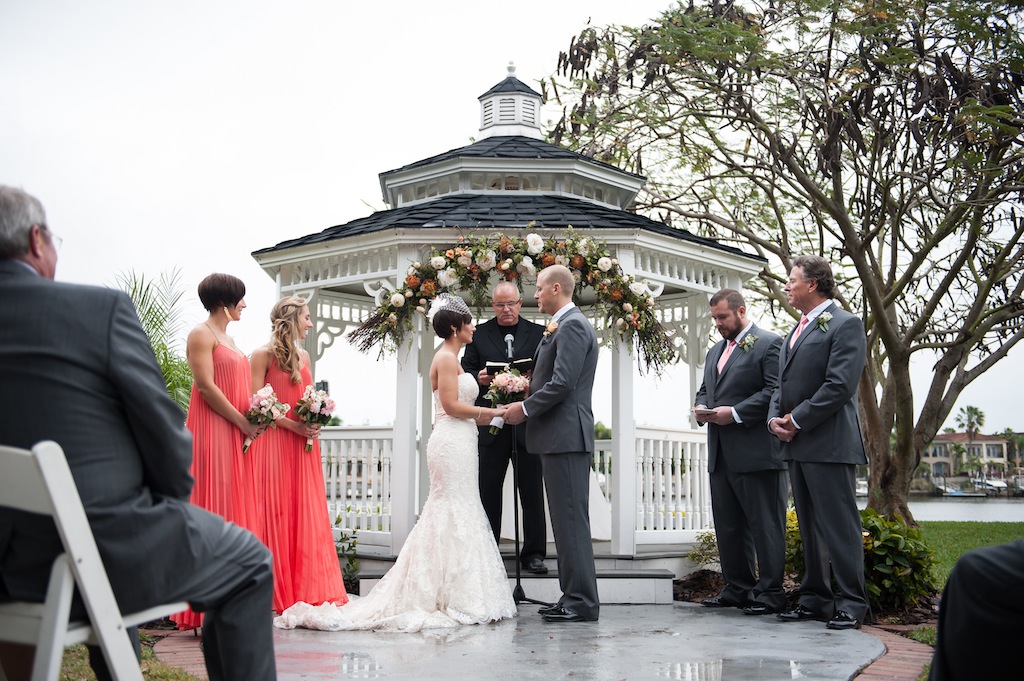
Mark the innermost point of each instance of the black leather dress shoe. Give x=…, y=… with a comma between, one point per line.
x=536, y=566
x=547, y=609
x=800, y=612
x=563, y=615
x=843, y=620
x=758, y=608
x=718, y=602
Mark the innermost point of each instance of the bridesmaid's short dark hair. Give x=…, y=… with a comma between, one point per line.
x=447, y=321
x=220, y=290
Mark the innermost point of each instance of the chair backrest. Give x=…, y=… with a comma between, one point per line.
x=40, y=481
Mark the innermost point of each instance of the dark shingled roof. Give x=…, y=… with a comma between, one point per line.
x=511, y=84
x=482, y=213
x=512, y=146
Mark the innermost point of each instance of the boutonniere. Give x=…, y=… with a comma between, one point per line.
x=822, y=321
x=550, y=328
x=747, y=342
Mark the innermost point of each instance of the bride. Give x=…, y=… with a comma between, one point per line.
x=449, y=571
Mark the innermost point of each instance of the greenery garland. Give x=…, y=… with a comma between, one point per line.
x=626, y=305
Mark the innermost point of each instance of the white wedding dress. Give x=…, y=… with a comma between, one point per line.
x=449, y=572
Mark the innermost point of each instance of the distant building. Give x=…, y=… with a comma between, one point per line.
x=948, y=452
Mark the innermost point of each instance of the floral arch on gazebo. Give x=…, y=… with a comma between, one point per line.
x=644, y=284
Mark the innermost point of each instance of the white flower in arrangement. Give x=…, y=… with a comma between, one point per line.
x=576, y=276
x=487, y=260
x=415, y=266
x=638, y=289
x=397, y=300
x=526, y=266
x=438, y=262
x=534, y=244
x=604, y=263
x=561, y=260
x=447, y=278
x=421, y=309
x=620, y=324
x=615, y=261
x=393, y=318
x=408, y=293
x=650, y=302
x=627, y=307
x=505, y=265
x=584, y=247
x=412, y=270
x=464, y=260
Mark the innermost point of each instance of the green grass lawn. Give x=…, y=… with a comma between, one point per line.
x=950, y=540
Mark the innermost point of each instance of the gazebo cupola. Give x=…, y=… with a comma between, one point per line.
x=510, y=108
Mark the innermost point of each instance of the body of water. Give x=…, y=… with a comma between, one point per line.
x=983, y=509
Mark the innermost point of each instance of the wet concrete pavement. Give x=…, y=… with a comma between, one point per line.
x=629, y=642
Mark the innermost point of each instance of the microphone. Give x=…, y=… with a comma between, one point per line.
x=508, y=342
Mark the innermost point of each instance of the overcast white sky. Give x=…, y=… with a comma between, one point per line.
x=188, y=134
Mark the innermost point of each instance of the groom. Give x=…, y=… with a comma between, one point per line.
x=561, y=430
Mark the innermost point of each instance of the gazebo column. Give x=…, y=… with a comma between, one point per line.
x=403, y=470
x=623, y=437
x=623, y=478
x=696, y=348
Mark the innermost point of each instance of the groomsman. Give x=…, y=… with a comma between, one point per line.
x=748, y=475
x=561, y=429
x=813, y=412
x=508, y=336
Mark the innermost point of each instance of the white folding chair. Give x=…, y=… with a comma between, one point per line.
x=39, y=481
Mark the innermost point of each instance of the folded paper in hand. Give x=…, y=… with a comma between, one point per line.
x=522, y=365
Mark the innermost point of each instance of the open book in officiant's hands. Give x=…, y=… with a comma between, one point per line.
x=521, y=365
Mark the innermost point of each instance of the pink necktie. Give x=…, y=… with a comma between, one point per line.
x=725, y=355
x=799, y=328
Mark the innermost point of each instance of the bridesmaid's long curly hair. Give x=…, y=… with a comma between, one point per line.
x=284, y=319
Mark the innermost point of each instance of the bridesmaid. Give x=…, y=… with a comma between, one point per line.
x=220, y=396
x=289, y=480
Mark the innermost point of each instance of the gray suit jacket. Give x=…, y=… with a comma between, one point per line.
x=818, y=383
x=746, y=383
x=561, y=418
x=78, y=368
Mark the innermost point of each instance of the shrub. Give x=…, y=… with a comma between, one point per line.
x=346, y=546
x=704, y=551
x=794, y=547
x=898, y=565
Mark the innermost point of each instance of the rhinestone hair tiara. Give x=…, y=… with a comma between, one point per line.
x=447, y=301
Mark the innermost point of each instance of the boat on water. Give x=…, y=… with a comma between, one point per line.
x=956, y=492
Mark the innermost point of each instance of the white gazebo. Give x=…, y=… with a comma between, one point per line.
x=513, y=182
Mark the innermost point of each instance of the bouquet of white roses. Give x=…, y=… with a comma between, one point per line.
x=264, y=409
x=316, y=406
x=506, y=387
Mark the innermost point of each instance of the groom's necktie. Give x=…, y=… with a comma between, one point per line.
x=725, y=355
x=799, y=329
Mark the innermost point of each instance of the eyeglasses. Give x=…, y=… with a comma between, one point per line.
x=54, y=239
x=505, y=306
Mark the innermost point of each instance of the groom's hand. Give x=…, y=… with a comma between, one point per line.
x=515, y=414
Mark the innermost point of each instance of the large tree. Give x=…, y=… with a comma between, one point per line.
x=883, y=135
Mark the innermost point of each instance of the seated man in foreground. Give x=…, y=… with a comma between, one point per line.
x=78, y=369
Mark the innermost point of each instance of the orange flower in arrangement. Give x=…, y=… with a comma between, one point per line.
x=506, y=245
x=474, y=270
x=615, y=293
x=561, y=245
x=547, y=260
x=428, y=288
x=511, y=274
x=412, y=281
x=576, y=261
x=450, y=253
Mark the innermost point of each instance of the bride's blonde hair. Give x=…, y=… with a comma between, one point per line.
x=284, y=319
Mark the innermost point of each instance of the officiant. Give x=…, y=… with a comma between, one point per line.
x=507, y=338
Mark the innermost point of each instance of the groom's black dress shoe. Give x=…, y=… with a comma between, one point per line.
x=800, y=612
x=718, y=602
x=536, y=566
x=561, y=614
x=843, y=620
x=758, y=608
x=548, y=609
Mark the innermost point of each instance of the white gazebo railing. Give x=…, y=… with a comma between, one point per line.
x=666, y=486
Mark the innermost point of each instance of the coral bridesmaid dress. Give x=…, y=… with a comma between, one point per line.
x=224, y=482
x=296, y=525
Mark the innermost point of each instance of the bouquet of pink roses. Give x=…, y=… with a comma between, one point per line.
x=264, y=409
x=316, y=406
x=506, y=387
